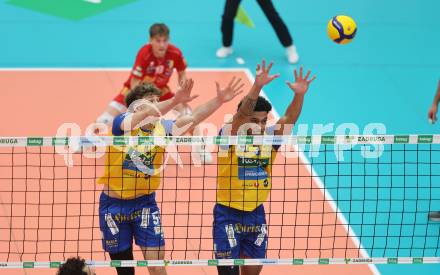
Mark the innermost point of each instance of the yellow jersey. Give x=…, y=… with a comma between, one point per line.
x=132, y=171
x=244, y=176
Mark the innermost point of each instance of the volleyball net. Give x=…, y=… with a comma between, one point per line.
x=332, y=199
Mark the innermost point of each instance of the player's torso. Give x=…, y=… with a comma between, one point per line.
x=244, y=176
x=134, y=171
x=159, y=70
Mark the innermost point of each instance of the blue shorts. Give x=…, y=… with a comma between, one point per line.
x=121, y=220
x=238, y=233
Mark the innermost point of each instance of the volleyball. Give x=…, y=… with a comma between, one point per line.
x=341, y=29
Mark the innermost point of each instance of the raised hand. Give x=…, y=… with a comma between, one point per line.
x=301, y=84
x=262, y=77
x=183, y=95
x=234, y=88
x=432, y=113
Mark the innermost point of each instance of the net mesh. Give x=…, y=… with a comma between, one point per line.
x=327, y=201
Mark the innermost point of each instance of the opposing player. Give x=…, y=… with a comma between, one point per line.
x=155, y=63
x=132, y=174
x=244, y=174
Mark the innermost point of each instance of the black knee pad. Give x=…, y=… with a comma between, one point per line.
x=228, y=270
x=124, y=255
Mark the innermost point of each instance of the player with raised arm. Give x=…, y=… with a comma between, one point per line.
x=244, y=174
x=127, y=207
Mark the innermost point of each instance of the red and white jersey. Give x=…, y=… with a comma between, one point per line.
x=155, y=70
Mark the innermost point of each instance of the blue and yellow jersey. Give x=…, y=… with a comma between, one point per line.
x=244, y=175
x=132, y=171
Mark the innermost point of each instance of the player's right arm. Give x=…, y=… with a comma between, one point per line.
x=139, y=67
x=432, y=113
x=151, y=112
x=248, y=103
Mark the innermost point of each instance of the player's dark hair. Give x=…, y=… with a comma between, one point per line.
x=73, y=266
x=140, y=91
x=159, y=29
x=262, y=105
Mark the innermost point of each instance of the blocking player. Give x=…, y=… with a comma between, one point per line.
x=155, y=63
x=244, y=174
x=127, y=207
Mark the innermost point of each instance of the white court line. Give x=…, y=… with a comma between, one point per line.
x=301, y=155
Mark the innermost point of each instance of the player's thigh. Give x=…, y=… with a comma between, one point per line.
x=254, y=243
x=116, y=236
x=226, y=240
x=148, y=231
x=254, y=246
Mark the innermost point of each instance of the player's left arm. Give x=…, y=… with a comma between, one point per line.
x=202, y=112
x=432, y=112
x=152, y=112
x=299, y=88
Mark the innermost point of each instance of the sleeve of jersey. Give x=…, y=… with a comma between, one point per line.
x=139, y=65
x=222, y=147
x=168, y=125
x=180, y=62
x=117, y=122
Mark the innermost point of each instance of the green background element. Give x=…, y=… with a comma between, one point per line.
x=69, y=9
x=243, y=18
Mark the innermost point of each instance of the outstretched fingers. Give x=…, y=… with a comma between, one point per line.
x=269, y=67
x=236, y=93
x=311, y=79
x=239, y=87
x=190, y=84
x=307, y=75
x=272, y=77
x=234, y=84
x=232, y=81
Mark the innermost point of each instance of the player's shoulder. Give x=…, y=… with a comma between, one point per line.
x=173, y=50
x=117, y=121
x=145, y=50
